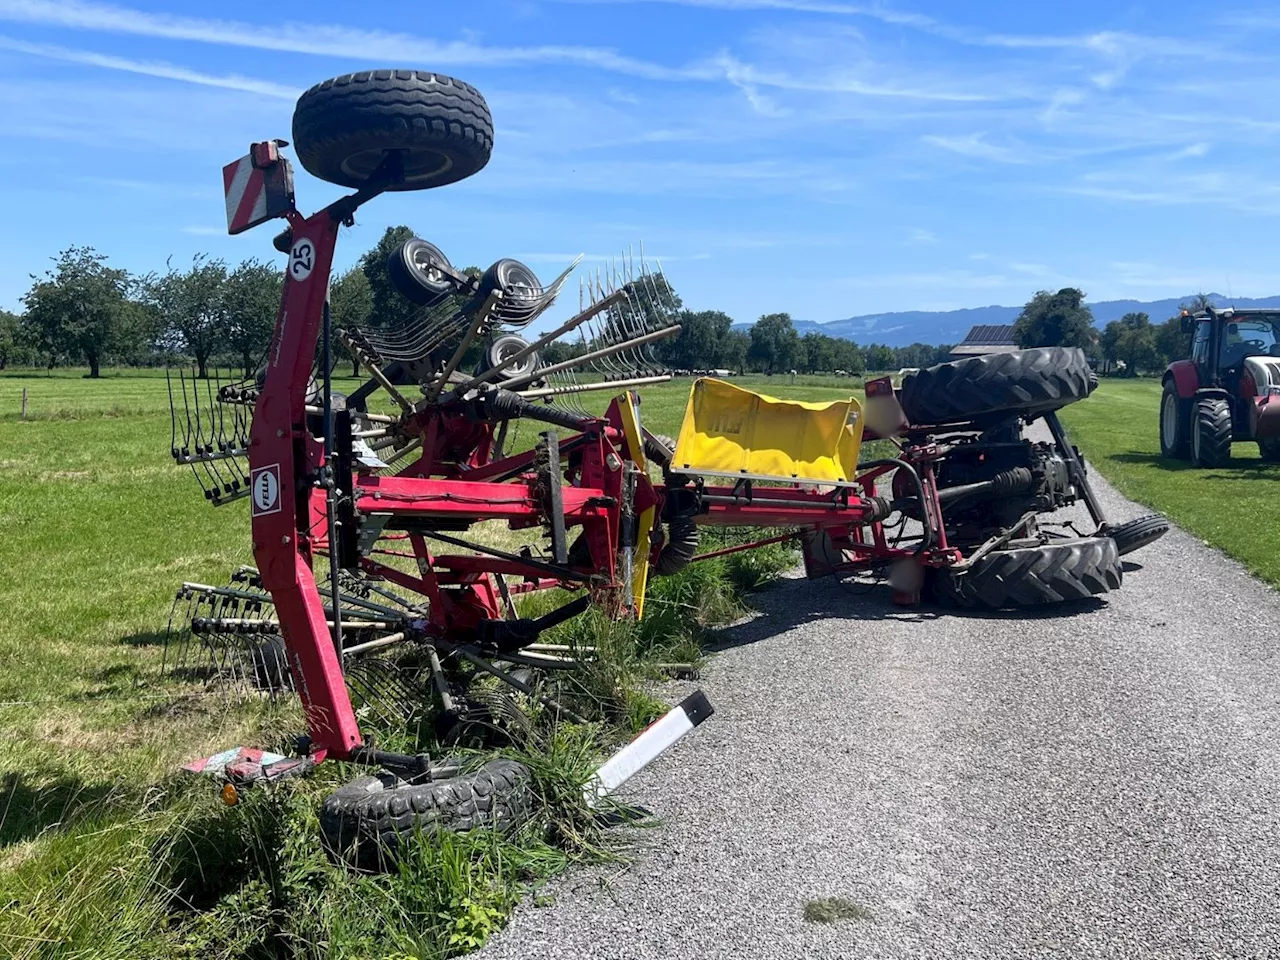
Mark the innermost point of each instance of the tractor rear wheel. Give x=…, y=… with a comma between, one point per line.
x=344, y=128
x=1211, y=433
x=1175, y=424
x=1030, y=382
x=1068, y=569
x=369, y=821
x=1139, y=532
x=1270, y=449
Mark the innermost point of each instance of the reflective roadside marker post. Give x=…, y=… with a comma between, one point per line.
x=652, y=742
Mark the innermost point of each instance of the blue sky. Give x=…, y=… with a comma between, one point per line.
x=815, y=156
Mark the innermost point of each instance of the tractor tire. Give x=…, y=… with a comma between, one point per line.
x=1211, y=433
x=371, y=820
x=344, y=128
x=1135, y=534
x=412, y=270
x=1069, y=569
x=1175, y=424
x=1029, y=382
x=1270, y=449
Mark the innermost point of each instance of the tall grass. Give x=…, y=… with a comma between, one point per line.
x=173, y=872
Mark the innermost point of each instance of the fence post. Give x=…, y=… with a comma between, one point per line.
x=24, y=403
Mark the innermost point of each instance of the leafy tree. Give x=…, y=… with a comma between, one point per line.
x=351, y=305
x=819, y=352
x=11, y=339
x=698, y=345
x=1056, y=320
x=1136, y=343
x=77, y=308
x=733, y=350
x=390, y=309
x=848, y=356
x=251, y=301
x=773, y=343
x=193, y=305
x=880, y=357
x=1171, y=342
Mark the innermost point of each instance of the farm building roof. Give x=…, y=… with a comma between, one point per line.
x=986, y=338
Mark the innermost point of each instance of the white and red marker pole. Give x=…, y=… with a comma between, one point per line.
x=652, y=742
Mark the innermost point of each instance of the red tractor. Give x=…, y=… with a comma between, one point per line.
x=1228, y=390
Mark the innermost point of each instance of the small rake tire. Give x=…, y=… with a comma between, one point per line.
x=1025, y=381
x=1211, y=433
x=1070, y=569
x=409, y=267
x=343, y=128
x=1139, y=532
x=368, y=824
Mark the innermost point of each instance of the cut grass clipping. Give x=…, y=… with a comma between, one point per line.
x=834, y=909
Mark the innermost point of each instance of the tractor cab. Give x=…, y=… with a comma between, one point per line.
x=1227, y=390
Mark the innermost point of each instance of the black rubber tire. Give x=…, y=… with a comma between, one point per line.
x=409, y=267
x=1069, y=569
x=1024, y=381
x=508, y=344
x=520, y=286
x=1269, y=449
x=1211, y=436
x=343, y=128
x=1139, y=532
x=270, y=663
x=370, y=820
x=1175, y=445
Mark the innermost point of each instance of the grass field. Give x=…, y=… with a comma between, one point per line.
x=1118, y=430
x=103, y=851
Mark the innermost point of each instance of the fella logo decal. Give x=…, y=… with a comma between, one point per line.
x=265, y=484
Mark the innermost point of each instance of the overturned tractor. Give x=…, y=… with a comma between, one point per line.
x=371, y=579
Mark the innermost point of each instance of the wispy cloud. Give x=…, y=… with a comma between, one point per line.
x=922, y=237
x=150, y=68
x=975, y=145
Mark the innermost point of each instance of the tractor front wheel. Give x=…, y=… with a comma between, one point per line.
x=1067, y=569
x=1175, y=421
x=1211, y=433
x=367, y=822
x=1270, y=449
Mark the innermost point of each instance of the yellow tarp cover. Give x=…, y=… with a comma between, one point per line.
x=729, y=431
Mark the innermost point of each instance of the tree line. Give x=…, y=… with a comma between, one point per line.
x=1130, y=345
x=83, y=311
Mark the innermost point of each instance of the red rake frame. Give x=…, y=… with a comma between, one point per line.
x=455, y=482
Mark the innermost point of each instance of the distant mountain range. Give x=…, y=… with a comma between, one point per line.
x=950, y=326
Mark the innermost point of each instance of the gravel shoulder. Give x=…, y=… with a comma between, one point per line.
x=1100, y=780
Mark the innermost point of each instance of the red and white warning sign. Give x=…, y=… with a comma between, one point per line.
x=257, y=187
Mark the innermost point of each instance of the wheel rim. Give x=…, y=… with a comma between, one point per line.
x=1168, y=420
x=419, y=164
x=428, y=267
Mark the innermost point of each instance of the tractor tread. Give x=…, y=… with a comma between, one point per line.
x=1072, y=569
x=1212, y=446
x=1029, y=382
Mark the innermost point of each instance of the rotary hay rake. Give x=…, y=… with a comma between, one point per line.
x=414, y=606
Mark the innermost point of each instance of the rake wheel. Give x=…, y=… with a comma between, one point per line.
x=344, y=128
x=366, y=822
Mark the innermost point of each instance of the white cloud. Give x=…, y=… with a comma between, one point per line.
x=151, y=68
x=975, y=145
x=922, y=237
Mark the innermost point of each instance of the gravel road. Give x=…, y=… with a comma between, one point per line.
x=1101, y=780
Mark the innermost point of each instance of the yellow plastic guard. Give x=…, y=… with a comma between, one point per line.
x=629, y=412
x=731, y=432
